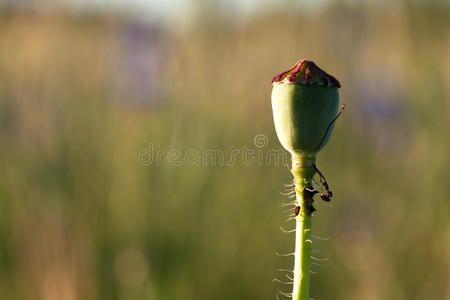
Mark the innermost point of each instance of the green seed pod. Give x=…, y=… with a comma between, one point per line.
x=305, y=102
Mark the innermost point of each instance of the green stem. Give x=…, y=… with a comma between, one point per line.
x=303, y=171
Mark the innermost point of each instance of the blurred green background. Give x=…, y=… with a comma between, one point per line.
x=85, y=88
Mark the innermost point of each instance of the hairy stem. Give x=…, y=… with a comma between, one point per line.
x=303, y=171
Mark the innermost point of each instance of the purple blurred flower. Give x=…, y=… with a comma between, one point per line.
x=138, y=80
x=381, y=107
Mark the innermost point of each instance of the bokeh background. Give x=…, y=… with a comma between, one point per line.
x=87, y=86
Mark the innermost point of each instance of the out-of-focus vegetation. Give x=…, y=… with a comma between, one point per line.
x=82, y=95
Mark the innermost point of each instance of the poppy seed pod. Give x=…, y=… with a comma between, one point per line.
x=305, y=102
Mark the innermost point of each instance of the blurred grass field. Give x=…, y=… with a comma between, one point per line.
x=81, y=95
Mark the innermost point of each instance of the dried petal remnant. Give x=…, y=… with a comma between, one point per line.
x=306, y=72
